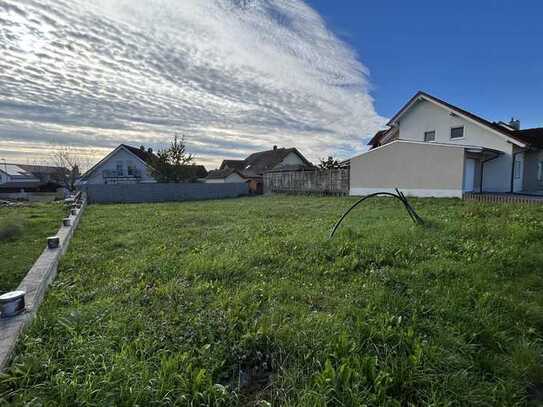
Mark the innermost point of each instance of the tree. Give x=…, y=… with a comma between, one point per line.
x=174, y=164
x=69, y=162
x=329, y=163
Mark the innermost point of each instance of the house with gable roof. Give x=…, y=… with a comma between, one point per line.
x=433, y=148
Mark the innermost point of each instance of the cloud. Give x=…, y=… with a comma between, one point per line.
x=234, y=76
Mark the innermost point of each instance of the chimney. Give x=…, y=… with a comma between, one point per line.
x=515, y=123
x=274, y=148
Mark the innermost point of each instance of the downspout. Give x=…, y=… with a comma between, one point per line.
x=482, y=170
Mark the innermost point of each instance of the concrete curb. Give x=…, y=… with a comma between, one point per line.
x=35, y=284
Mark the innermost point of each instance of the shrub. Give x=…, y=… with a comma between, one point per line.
x=11, y=228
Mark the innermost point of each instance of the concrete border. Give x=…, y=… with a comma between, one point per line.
x=35, y=284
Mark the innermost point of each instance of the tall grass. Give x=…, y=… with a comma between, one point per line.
x=245, y=302
x=23, y=233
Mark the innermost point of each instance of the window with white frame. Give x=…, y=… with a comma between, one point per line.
x=457, y=132
x=430, y=135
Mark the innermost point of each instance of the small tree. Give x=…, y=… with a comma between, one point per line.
x=329, y=163
x=174, y=164
x=69, y=162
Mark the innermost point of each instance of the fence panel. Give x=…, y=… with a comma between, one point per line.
x=334, y=181
x=503, y=198
x=133, y=193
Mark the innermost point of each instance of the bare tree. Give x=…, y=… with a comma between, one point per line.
x=70, y=162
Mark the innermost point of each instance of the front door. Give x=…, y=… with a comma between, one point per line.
x=469, y=174
x=518, y=172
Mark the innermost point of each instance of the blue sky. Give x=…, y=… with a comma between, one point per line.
x=237, y=77
x=484, y=55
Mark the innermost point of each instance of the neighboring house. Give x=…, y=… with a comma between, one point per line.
x=225, y=175
x=433, y=148
x=126, y=165
x=252, y=168
x=18, y=178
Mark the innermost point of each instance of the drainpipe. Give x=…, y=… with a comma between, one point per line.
x=482, y=170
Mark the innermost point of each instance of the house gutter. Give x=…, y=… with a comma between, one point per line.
x=483, y=169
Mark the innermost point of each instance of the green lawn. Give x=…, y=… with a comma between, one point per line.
x=23, y=236
x=245, y=302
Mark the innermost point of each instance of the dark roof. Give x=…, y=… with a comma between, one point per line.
x=532, y=136
x=42, y=169
x=378, y=137
x=199, y=170
x=223, y=173
x=142, y=154
x=235, y=164
x=258, y=163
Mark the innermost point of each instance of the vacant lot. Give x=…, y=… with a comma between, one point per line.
x=245, y=301
x=23, y=233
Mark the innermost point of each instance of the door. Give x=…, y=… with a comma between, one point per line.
x=469, y=174
x=518, y=172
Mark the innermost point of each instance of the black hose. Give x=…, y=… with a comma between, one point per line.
x=399, y=195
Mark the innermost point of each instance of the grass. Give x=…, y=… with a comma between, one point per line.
x=23, y=233
x=245, y=302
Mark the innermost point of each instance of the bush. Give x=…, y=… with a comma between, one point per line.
x=11, y=228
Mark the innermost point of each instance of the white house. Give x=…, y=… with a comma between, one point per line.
x=124, y=165
x=432, y=148
x=224, y=176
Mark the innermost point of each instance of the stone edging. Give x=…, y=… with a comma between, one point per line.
x=35, y=284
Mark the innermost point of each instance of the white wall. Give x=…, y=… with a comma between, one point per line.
x=426, y=116
x=291, y=159
x=232, y=178
x=111, y=165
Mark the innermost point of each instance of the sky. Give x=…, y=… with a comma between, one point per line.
x=238, y=76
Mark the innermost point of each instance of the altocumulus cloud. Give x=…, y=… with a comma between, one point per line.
x=234, y=76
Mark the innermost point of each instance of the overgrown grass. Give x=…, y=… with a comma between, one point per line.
x=245, y=302
x=23, y=233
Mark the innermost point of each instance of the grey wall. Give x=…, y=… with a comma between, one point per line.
x=531, y=160
x=125, y=193
x=416, y=168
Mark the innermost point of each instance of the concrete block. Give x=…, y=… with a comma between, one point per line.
x=53, y=242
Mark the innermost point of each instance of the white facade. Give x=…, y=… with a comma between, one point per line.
x=291, y=159
x=121, y=166
x=426, y=116
x=232, y=178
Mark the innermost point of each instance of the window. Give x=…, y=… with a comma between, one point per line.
x=430, y=135
x=517, y=169
x=540, y=172
x=457, y=132
x=119, y=168
x=130, y=168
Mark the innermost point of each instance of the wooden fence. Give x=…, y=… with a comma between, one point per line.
x=334, y=181
x=503, y=198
